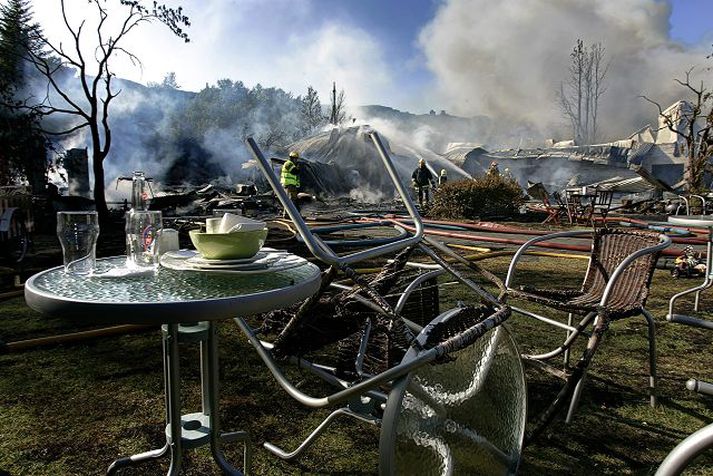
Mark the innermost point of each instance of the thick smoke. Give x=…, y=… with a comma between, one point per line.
x=507, y=59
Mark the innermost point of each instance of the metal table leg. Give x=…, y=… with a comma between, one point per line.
x=213, y=392
x=195, y=429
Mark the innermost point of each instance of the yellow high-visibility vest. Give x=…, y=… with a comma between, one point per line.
x=288, y=175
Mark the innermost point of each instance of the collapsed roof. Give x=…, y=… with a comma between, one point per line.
x=355, y=162
x=658, y=154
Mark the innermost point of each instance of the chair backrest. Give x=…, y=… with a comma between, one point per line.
x=609, y=248
x=603, y=198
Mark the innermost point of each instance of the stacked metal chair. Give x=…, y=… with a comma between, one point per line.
x=449, y=396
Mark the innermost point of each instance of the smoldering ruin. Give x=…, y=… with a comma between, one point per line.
x=341, y=164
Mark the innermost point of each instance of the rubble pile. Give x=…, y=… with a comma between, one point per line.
x=357, y=164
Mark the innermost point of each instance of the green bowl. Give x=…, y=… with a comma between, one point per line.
x=241, y=244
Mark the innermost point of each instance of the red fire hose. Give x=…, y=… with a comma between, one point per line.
x=510, y=241
x=498, y=228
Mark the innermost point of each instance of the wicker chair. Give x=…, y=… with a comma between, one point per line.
x=553, y=205
x=615, y=286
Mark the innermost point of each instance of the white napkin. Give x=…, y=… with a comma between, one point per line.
x=233, y=223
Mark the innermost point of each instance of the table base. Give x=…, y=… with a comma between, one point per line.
x=196, y=429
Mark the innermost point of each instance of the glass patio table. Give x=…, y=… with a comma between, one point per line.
x=188, y=305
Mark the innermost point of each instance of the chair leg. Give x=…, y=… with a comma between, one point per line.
x=289, y=456
x=566, y=352
x=652, y=356
x=574, y=401
x=574, y=383
x=578, y=376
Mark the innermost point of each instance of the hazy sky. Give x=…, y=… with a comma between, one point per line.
x=397, y=53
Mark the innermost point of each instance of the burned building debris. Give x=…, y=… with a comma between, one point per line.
x=76, y=163
x=339, y=163
x=657, y=152
x=356, y=165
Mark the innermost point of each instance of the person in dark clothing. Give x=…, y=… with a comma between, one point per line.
x=422, y=178
x=493, y=170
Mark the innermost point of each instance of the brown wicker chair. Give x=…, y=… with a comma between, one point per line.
x=615, y=286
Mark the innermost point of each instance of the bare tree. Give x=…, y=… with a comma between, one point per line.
x=599, y=69
x=339, y=107
x=274, y=135
x=94, y=76
x=693, y=124
x=579, y=95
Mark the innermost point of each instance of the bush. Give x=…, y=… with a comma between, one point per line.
x=485, y=196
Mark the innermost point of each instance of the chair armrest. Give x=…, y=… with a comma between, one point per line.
x=515, y=259
x=664, y=242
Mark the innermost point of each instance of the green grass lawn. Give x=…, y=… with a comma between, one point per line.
x=72, y=409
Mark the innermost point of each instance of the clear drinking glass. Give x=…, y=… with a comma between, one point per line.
x=142, y=233
x=78, y=233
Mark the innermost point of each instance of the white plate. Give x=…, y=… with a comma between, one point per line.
x=226, y=266
x=180, y=254
x=199, y=260
x=194, y=257
x=273, y=261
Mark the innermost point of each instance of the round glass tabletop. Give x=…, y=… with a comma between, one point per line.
x=167, y=295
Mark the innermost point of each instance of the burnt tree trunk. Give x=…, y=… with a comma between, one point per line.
x=99, y=188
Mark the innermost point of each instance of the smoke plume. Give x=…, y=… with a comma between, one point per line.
x=507, y=59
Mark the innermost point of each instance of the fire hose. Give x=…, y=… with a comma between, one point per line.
x=18, y=346
x=510, y=241
x=505, y=229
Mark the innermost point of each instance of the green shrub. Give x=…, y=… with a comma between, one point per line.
x=485, y=196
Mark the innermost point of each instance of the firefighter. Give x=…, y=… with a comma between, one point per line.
x=443, y=178
x=493, y=169
x=422, y=178
x=290, y=177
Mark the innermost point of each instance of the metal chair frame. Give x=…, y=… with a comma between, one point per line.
x=694, y=444
x=363, y=396
x=686, y=205
x=701, y=440
x=597, y=319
